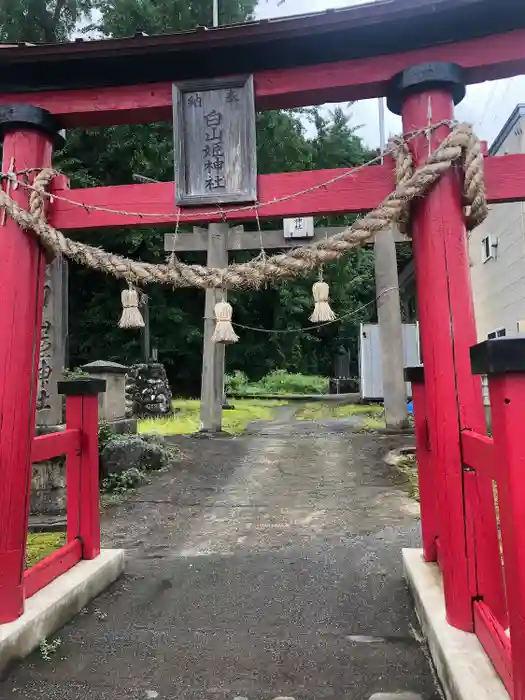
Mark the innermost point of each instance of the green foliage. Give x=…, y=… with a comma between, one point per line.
x=118, y=484
x=36, y=21
x=277, y=382
x=75, y=373
x=236, y=383
x=125, y=17
x=105, y=434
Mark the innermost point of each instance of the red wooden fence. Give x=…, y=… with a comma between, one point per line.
x=496, y=578
x=79, y=443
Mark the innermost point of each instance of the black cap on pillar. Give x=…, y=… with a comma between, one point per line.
x=14, y=117
x=424, y=77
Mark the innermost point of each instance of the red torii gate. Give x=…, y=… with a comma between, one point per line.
x=423, y=69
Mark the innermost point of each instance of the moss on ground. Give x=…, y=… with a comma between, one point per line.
x=187, y=419
x=370, y=415
x=407, y=466
x=41, y=544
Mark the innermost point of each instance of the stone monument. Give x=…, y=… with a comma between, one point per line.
x=53, y=343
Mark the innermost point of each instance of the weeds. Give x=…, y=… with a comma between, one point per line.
x=118, y=484
x=47, y=649
x=277, y=382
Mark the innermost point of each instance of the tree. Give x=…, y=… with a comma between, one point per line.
x=336, y=144
x=35, y=21
x=125, y=17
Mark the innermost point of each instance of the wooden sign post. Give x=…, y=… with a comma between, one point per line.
x=214, y=137
x=212, y=384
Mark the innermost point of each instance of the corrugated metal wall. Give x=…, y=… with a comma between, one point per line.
x=370, y=358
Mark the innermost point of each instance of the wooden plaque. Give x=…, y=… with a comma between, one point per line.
x=214, y=139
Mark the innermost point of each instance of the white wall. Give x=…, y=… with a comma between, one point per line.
x=498, y=284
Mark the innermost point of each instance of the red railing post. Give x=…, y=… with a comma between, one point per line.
x=503, y=360
x=427, y=489
x=425, y=95
x=82, y=467
x=29, y=134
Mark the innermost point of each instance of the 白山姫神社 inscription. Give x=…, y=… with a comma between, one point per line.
x=214, y=136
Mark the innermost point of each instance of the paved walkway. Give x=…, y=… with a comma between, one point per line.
x=270, y=567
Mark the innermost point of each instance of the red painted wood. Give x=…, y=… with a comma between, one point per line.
x=83, y=517
x=425, y=468
x=496, y=643
x=438, y=224
x=50, y=568
x=488, y=58
x=485, y=569
x=485, y=543
x=507, y=401
x=73, y=469
x=55, y=444
x=478, y=453
x=470, y=490
x=22, y=267
x=361, y=191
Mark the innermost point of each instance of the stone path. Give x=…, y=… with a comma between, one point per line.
x=270, y=568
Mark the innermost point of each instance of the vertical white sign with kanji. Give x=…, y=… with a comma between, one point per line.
x=299, y=227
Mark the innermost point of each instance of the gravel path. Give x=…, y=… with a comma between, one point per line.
x=269, y=567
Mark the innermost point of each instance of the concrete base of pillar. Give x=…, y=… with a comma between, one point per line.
x=53, y=606
x=463, y=668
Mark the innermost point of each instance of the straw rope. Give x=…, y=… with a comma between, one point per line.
x=461, y=147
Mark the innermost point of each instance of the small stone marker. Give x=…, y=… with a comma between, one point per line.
x=214, y=137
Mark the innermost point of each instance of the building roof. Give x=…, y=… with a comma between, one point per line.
x=511, y=123
x=378, y=28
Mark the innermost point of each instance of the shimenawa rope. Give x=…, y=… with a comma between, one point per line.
x=460, y=147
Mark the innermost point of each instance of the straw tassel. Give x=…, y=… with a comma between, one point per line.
x=131, y=316
x=224, y=332
x=322, y=311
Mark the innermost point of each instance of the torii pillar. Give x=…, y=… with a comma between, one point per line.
x=425, y=95
x=29, y=135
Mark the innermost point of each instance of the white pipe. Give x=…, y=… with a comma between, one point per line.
x=382, y=137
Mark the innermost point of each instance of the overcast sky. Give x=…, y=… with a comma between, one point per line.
x=487, y=106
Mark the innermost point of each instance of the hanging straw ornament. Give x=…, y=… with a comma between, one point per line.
x=131, y=316
x=322, y=311
x=224, y=332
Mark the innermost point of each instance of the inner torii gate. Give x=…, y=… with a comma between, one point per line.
x=219, y=239
x=422, y=55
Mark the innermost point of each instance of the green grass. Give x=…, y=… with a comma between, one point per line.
x=370, y=415
x=187, y=420
x=277, y=382
x=40, y=544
